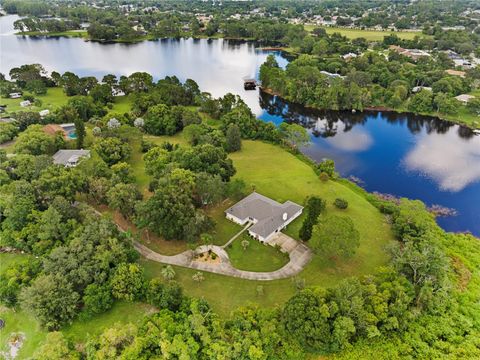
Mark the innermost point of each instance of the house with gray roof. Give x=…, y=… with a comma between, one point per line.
x=70, y=158
x=267, y=216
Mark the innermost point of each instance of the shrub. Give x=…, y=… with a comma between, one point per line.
x=327, y=166
x=341, y=203
x=324, y=177
x=128, y=282
x=97, y=299
x=313, y=208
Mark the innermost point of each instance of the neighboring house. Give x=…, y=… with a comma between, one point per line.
x=15, y=95
x=68, y=130
x=420, y=88
x=70, y=158
x=455, y=73
x=331, y=75
x=466, y=64
x=268, y=216
x=464, y=98
x=413, y=54
x=25, y=103
x=44, y=113
x=117, y=92
x=349, y=56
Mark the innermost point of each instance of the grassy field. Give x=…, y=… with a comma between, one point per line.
x=53, y=99
x=121, y=104
x=273, y=172
x=276, y=173
x=79, y=331
x=370, y=35
x=19, y=321
x=225, y=293
x=256, y=257
x=69, y=33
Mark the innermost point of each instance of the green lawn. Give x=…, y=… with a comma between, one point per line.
x=53, y=99
x=178, y=138
x=69, y=33
x=121, y=104
x=276, y=173
x=224, y=228
x=122, y=312
x=225, y=293
x=257, y=256
x=6, y=259
x=280, y=175
x=370, y=35
x=79, y=331
x=21, y=322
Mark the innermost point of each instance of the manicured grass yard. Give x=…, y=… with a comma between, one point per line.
x=224, y=228
x=53, y=99
x=122, y=312
x=370, y=35
x=225, y=293
x=69, y=33
x=257, y=256
x=121, y=104
x=280, y=175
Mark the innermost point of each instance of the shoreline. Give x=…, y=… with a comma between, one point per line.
x=83, y=35
x=378, y=108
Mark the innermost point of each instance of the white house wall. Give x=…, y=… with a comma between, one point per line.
x=236, y=220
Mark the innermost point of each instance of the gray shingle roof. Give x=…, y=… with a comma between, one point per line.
x=268, y=213
x=63, y=157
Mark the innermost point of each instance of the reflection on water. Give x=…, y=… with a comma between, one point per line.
x=218, y=66
x=405, y=155
x=412, y=156
x=342, y=136
x=452, y=162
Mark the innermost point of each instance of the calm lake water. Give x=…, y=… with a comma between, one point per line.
x=404, y=155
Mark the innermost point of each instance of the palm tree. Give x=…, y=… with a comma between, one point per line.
x=198, y=277
x=168, y=273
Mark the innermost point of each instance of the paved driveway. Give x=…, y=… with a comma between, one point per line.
x=299, y=254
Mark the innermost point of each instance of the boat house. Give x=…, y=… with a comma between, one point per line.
x=249, y=84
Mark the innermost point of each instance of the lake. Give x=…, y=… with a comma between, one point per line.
x=404, y=155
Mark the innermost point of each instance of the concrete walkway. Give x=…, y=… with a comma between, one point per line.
x=237, y=235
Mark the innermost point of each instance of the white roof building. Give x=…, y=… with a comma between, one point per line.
x=349, y=56
x=25, y=103
x=464, y=98
x=420, y=88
